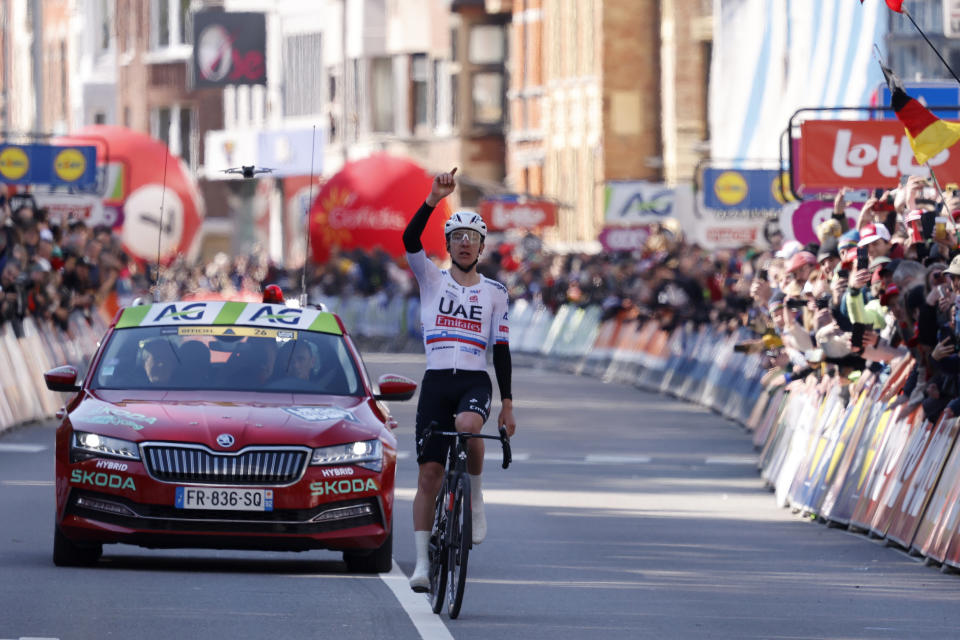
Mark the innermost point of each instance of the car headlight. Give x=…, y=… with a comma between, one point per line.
x=92, y=444
x=367, y=454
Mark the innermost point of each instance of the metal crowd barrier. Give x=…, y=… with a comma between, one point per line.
x=24, y=396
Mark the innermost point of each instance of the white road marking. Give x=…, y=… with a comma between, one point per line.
x=28, y=483
x=747, y=459
x=22, y=448
x=428, y=624
x=496, y=456
x=601, y=458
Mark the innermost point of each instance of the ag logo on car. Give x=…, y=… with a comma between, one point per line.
x=225, y=440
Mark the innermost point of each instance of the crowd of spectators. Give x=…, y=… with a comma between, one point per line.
x=853, y=300
x=57, y=268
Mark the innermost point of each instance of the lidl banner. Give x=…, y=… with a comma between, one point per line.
x=758, y=189
x=43, y=164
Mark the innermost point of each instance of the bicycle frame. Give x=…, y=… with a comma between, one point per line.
x=451, y=537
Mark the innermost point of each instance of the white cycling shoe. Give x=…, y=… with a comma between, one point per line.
x=478, y=521
x=420, y=580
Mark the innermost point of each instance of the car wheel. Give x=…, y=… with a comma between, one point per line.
x=67, y=553
x=377, y=561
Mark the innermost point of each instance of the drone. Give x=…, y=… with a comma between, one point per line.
x=248, y=171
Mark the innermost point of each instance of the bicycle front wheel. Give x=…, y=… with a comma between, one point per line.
x=461, y=538
x=438, y=551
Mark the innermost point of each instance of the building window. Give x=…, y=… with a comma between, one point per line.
x=99, y=118
x=106, y=26
x=170, y=23
x=442, y=102
x=334, y=107
x=175, y=126
x=487, y=93
x=383, y=99
x=419, y=79
x=487, y=44
x=303, y=86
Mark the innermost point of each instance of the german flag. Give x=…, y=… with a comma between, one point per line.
x=928, y=134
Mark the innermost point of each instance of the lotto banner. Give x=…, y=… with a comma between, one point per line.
x=862, y=155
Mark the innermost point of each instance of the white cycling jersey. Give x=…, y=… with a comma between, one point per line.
x=458, y=322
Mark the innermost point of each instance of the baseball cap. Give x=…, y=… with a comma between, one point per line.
x=849, y=240
x=872, y=233
x=789, y=250
x=46, y=235
x=800, y=259
x=828, y=249
x=954, y=268
x=879, y=261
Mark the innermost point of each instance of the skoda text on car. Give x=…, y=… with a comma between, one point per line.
x=226, y=425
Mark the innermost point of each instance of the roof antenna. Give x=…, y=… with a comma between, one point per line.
x=306, y=255
x=163, y=196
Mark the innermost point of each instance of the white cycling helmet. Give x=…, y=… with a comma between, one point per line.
x=465, y=220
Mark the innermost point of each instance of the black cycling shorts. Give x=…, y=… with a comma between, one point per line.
x=444, y=395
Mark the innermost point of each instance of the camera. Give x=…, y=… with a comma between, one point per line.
x=796, y=303
x=823, y=302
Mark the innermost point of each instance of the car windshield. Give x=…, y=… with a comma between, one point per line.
x=227, y=358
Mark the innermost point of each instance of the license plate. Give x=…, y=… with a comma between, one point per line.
x=224, y=499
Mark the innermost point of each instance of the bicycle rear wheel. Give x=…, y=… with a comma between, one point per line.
x=438, y=551
x=461, y=538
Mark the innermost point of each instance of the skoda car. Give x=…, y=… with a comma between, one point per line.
x=227, y=425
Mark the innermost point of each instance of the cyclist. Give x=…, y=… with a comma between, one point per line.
x=462, y=312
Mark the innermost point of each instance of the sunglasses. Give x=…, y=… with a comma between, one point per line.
x=465, y=235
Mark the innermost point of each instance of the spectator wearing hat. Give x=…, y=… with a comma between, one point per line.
x=876, y=238
x=829, y=255
x=789, y=249
x=801, y=265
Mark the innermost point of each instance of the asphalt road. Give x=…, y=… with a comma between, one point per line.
x=625, y=514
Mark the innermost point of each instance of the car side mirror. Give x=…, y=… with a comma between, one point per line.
x=62, y=379
x=394, y=387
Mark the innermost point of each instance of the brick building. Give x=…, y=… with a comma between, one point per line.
x=604, y=90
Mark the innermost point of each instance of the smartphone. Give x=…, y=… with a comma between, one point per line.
x=890, y=222
x=823, y=302
x=763, y=274
x=857, y=341
x=928, y=220
x=863, y=258
x=843, y=275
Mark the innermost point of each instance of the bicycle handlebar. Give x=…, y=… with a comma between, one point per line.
x=503, y=438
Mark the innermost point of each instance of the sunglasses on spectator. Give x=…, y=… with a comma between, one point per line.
x=465, y=235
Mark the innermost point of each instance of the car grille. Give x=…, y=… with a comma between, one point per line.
x=263, y=466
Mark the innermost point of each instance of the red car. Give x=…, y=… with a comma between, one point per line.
x=226, y=425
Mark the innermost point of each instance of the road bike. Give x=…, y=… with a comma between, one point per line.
x=451, y=537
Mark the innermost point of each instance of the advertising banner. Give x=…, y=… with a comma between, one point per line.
x=637, y=202
x=44, y=164
x=906, y=517
x=517, y=212
x=939, y=521
x=728, y=189
x=624, y=238
x=799, y=220
x=862, y=155
x=229, y=48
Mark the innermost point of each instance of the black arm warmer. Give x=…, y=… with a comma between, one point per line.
x=411, y=235
x=502, y=367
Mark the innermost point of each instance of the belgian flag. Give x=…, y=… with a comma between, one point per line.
x=928, y=134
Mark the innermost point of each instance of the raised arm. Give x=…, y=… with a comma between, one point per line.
x=443, y=185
